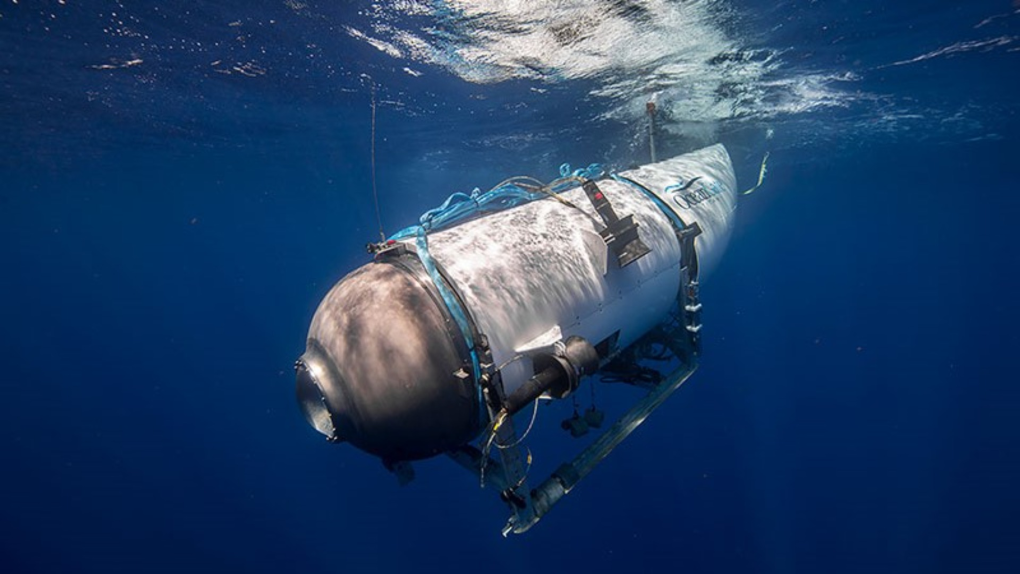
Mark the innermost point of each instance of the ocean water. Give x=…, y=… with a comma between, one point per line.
x=182, y=182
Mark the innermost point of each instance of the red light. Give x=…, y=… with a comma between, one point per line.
x=598, y=196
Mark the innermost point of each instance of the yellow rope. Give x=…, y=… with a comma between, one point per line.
x=761, y=175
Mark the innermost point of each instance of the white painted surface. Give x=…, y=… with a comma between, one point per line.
x=527, y=270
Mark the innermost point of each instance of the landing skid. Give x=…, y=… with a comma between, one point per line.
x=529, y=506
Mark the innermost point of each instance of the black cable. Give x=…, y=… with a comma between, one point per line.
x=375, y=192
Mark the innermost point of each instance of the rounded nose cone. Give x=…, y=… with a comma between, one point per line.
x=379, y=371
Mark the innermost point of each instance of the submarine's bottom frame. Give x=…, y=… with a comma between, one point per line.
x=527, y=507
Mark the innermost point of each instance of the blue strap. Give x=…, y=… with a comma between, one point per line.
x=677, y=222
x=451, y=301
x=461, y=207
x=593, y=171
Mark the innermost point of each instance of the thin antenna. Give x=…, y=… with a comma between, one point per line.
x=650, y=108
x=375, y=191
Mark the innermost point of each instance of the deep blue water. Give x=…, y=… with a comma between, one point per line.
x=181, y=183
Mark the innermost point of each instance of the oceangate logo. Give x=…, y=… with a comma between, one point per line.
x=689, y=193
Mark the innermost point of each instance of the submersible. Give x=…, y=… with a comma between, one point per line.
x=496, y=300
